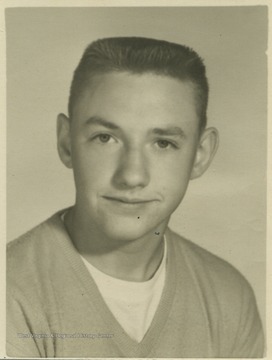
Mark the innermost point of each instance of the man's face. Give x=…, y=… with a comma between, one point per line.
x=133, y=144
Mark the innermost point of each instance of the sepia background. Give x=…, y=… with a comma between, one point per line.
x=225, y=210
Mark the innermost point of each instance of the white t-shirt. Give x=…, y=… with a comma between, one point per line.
x=133, y=304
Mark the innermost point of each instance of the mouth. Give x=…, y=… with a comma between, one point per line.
x=129, y=201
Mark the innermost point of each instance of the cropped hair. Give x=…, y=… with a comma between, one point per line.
x=138, y=55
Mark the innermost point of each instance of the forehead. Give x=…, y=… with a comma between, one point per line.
x=147, y=97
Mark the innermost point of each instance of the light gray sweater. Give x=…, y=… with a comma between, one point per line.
x=54, y=308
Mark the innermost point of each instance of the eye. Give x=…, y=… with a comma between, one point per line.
x=103, y=138
x=165, y=144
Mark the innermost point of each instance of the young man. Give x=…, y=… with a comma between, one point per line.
x=106, y=277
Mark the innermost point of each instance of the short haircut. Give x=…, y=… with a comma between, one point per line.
x=138, y=55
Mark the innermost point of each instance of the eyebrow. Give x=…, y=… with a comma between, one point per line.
x=168, y=131
x=96, y=120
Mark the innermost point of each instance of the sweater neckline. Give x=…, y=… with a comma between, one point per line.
x=127, y=346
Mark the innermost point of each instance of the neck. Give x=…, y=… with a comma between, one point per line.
x=133, y=260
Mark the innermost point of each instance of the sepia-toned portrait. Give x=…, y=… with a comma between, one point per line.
x=136, y=181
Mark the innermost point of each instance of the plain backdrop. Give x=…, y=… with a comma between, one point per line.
x=225, y=210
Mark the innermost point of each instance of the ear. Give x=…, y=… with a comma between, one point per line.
x=64, y=140
x=206, y=150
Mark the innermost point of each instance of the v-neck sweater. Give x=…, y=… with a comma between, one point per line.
x=132, y=303
x=54, y=308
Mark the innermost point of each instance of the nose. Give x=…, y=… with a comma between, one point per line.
x=132, y=170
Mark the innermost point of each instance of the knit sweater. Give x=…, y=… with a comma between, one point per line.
x=54, y=308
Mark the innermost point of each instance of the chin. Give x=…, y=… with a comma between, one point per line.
x=126, y=230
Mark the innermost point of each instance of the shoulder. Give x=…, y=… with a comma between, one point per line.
x=201, y=259
x=211, y=273
x=27, y=242
x=31, y=240
x=224, y=295
x=30, y=253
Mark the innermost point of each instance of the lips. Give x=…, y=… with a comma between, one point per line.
x=126, y=200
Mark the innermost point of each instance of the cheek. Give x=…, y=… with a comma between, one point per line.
x=93, y=170
x=175, y=187
x=176, y=171
x=173, y=178
x=87, y=168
